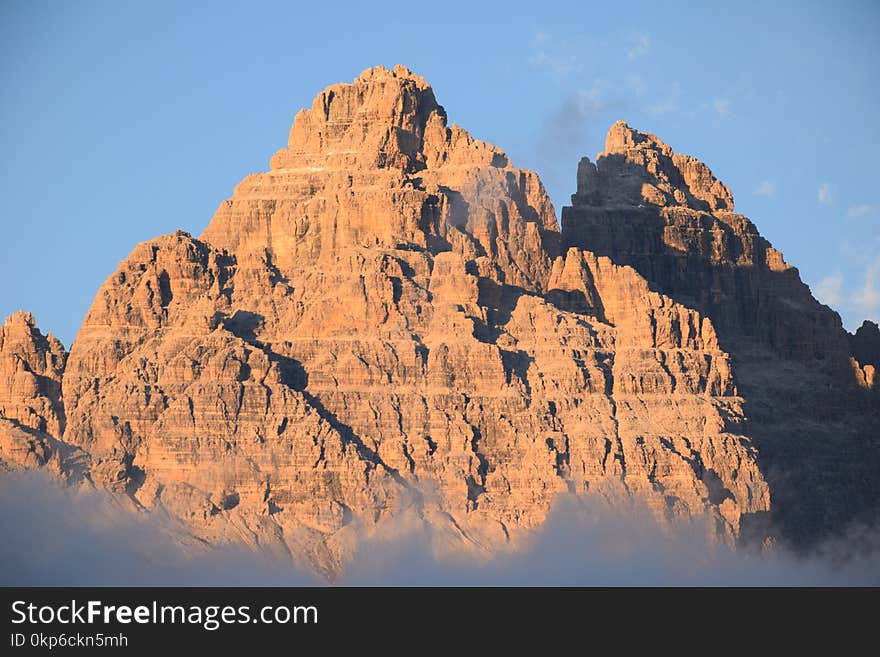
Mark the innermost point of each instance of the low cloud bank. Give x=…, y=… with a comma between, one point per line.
x=55, y=536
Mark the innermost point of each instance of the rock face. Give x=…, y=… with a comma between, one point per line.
x=31, y=365
x=665, y=215
x=389, y=320
x=865, y=345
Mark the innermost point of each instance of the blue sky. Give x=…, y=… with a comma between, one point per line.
x=121, y=120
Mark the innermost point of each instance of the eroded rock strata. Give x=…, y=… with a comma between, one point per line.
x=389, y=321
x=803, y=378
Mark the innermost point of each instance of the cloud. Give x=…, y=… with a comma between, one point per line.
x=862, y=210
x=721, y=107
x=639, y=45
x=558, y=65
x=865, y=301
x=62, y=537
x=867, y=298
x=766, y=188
x=558, y=59
x=824, y=194
x=666, y=103
x=830, y=290
x=649, y=99
x=637, y=84
x=564, y=134
x=662, y=107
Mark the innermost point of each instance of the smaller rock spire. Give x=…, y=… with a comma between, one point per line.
x=638, y=168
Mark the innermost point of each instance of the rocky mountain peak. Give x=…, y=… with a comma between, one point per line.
x=31, y=365
x=391, y=309
x=19, y=334
x=621, y=138
x=383, y=119
x=638, y=168
x=373, y=163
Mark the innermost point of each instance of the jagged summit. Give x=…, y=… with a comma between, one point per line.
x=667, y=215
x=384, y=119
x=391, y=309
x=373, y=164
x=638, y=168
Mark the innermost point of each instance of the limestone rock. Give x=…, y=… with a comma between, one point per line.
x=31, y=365
x=865, y=346
x=388, y=320
x=363, y=329
x=665, y=214
x=31, y=408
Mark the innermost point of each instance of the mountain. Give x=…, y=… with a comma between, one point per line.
x=389, y=322
x=809, y=391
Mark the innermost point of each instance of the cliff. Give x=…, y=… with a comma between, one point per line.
x=389, y=321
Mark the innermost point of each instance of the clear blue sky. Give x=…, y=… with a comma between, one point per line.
x=121, y=120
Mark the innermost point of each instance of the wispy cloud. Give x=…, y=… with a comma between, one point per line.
x=650, y=99
x=556, y=58
x=867, y=298
x=560, y=66
x=721, y=107
x=590, y=101
x=637, y=84
x=667, y=101
x=60, y=537
x=824, y=194
x=563, y=137
x=861, y=210
x=766, y=188
x=639, y=45
x=830, y=290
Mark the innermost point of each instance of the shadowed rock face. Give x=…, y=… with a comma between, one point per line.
x=815, y=427
x=389, y=320
x=865, y=345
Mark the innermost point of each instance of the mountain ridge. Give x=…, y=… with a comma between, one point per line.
x=393, y=307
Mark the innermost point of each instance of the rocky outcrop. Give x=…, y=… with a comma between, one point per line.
x=31, y=365
x=385, y=321
x=389, y=321
x=865, y=346
x=373, y=165
x=665, y=214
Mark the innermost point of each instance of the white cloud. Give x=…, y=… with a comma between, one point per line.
x=558, y=64
x=766, y=188
x=553, y=56
x=721, y=107
x=862, y=210
x=830, y=290
x=639, y=46
x=590, y=101
x=867, y=298
x=864, y=302
x=637, y=84
x=584, y=541
x=663, y=107
x=824, y=193
x=652, y=100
